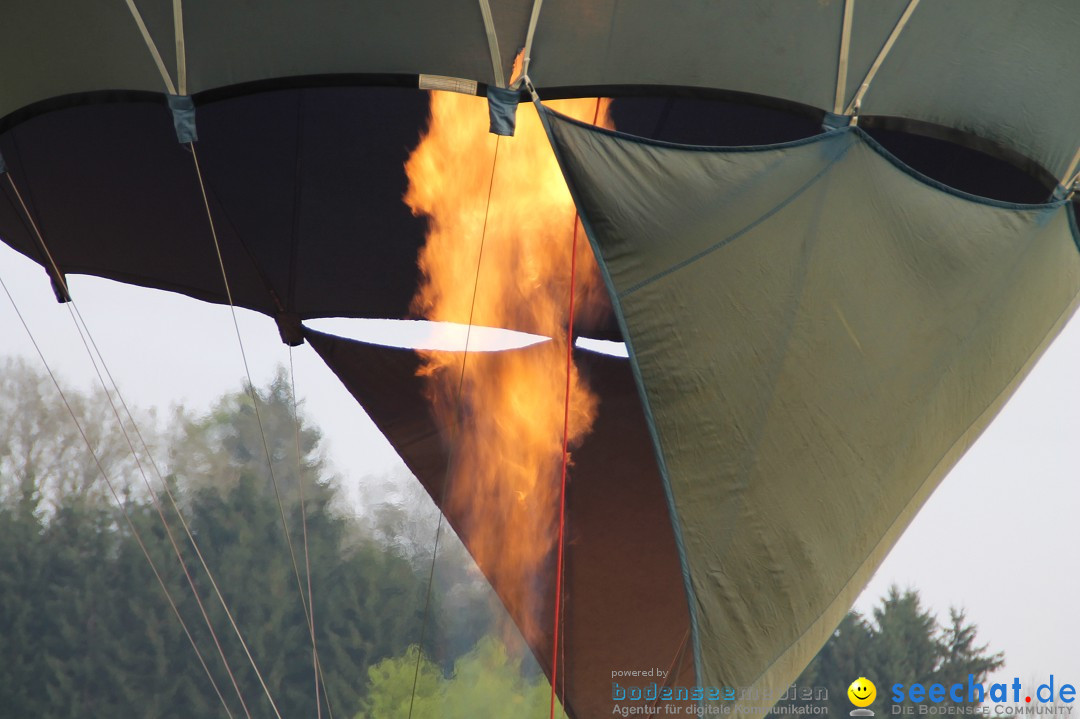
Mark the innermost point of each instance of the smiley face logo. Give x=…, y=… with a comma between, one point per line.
x=862, y=692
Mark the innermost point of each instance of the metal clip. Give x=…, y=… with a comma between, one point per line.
x=527, y=82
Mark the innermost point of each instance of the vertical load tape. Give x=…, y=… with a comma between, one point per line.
x=502, y=109
x=183, y=114
x=833, y=121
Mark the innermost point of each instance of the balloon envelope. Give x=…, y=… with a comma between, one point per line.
x=817, y=330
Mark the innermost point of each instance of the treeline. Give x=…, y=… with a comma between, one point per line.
x=85, y=628
x=900, y=642
x=86, y=631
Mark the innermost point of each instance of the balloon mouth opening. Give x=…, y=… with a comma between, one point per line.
x=952, y=157
x=603, y=347
x=427, y=335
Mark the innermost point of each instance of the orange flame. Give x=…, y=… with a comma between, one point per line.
x=501, y=220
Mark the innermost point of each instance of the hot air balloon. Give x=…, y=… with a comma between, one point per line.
x=834, y=237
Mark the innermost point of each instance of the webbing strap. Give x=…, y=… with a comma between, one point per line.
x=152, y=47
x=882, y=54
x=493, y=44
x=842, y=64
x=1071, y=178
x=181, y=53
x=526, y=53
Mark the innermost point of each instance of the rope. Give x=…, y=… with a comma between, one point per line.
x=493, y=44
x=900, y=24
x=842, y=64
x=57, y=275
x=450, y=459
x=526, y=52
x=258, y=419
x=316, y=669
x=152, y=47
x=119, y=502
x=1072, y=175
x=172, y=500
x=182, y=75
x=308, y=614
x=154, y=500
x=565, y=465
x=181, y=55
x=74, y=311
x=562, y=481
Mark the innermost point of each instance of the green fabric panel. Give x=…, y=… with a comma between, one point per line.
x=870, y=28
x=57, y=47
x=766, y=47
x=54, y=47
x=231, y=42
x=819, y=335
x=1002, y=70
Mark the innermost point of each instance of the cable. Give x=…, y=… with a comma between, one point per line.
x=562, y=482
x=119, y=502
x=316, y=667
x=258, y=418
x=304, y=602
x=74, y=311
x=155, y=502
x=450, y=462
x=565, y=465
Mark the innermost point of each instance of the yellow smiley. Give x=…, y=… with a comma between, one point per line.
x=862, y=692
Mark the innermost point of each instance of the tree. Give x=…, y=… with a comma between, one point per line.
x=41, y=447
x=84, y=627
x=20, y=577
x=904, y=643
x=214, y=451
x=402, y=517
x=486, y=682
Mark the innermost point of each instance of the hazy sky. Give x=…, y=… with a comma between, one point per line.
x=999, y=537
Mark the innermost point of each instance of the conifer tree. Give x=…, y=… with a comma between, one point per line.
x=84, y=626
x=903, y=643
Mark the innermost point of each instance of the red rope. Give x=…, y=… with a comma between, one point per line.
x=565, y=462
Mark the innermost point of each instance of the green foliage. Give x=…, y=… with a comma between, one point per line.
x=21, y=567
x=41, y=449
x=485, y=682
x=904, y=643
x=215, y=451
x=85, y=629
x=404, y=519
